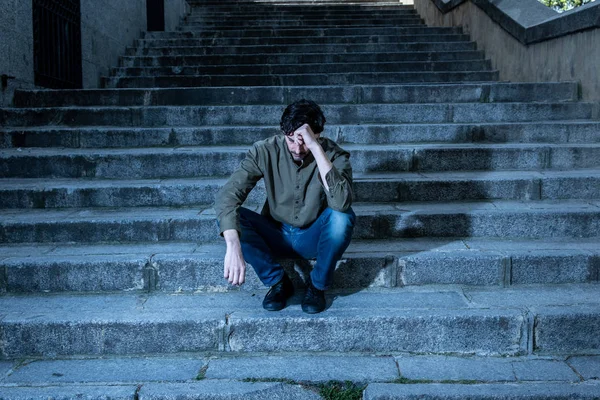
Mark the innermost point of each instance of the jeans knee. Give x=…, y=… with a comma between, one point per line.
x=340, y=223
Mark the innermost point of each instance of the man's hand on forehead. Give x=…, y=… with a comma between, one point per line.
x=305, y=135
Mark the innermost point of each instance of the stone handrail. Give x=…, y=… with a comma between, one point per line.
x=527, y=41
x=530, y=21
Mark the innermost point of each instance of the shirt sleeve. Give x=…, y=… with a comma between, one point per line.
x=234, y=192
x=339, y=180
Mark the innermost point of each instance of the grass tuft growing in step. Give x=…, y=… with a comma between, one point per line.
x=334, y=390
x=202, y=373
x=282, y=380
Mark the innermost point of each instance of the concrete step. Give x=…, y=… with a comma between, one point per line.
x=473, y=322
x=269, y=19
x=196, y=389
x=450, y=391
x=302, y=32
x=303, y=48
x=162, y=116
x=298, y=8
x=185, y=162
x=491, y=92
x=268, y=70
x=256, y=41
x=300, y=5
x=190, y=267
x=183, y=371
x=299, y=59
x=363, y=78
x=307, y=13
x=336, y=23
x=492, y=218
x=374, y=188
x=114, y=137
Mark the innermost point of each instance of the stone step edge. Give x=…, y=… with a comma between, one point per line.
x=242, y=149
x=358, y=91
x=152, y=267
x=517, y=316
x=42, y=129
x=148, y=68
x=358, y=178
x=210, y=367
x=595, y=107
x=203, y=212
x=135, y=50
x=257, y=389
x=450, y=391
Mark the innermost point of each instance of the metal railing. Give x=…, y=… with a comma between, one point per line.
x=57, y=43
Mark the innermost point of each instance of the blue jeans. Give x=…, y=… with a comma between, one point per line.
x=264, y=240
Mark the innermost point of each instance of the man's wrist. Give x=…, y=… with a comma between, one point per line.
x=231, y=236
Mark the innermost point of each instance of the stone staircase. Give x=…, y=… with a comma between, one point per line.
x=475, y=263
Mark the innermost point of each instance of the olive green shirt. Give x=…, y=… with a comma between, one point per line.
x=295, y=193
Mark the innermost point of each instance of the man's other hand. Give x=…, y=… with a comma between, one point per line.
x=234, y=268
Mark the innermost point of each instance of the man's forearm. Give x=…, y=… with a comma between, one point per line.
x=324, y=165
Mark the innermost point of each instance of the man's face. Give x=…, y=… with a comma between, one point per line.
x=297, y=146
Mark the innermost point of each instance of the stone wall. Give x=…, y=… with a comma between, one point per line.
x=16, y=46
x=572, y=57
x=107, y=28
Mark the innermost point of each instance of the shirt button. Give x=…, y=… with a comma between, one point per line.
x=297, y=187
x=295, y=217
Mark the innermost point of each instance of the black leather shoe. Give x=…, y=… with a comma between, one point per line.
x=276, y=298
x=314, y=300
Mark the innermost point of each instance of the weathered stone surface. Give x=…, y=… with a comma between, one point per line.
x=108, y=370
x=102, y=324
x=534, y=296
x=315, y=368
x=574, y=332
x=69, y=392
x=550, y=266
x=460, y=267
x=35, y=274
x=257, y=115
x=341, y=330
x=588, y=367
x=230, y=390
x=5, y=367
x=544, y=370
x=438, y=368
x=381, y=391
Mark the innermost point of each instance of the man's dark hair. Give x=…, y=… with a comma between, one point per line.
x=302, y=112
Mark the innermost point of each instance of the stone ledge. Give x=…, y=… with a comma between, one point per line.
x=530, y=21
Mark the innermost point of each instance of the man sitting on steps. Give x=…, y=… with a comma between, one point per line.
x=308, y=181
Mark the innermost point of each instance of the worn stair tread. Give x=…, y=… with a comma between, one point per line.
x=236, y=149
x=277, y=32
x=203, y=212
x=83, y=129
x=370, y=114
x=451, y=391
x=357, y=248
x=191, y=70
x=367, y=302
x=494, y=322
x=488, y=92
x=190, y=267
x=445, y=176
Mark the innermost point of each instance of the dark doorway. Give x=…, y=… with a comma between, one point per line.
x=57, y=43
x=155, y=10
